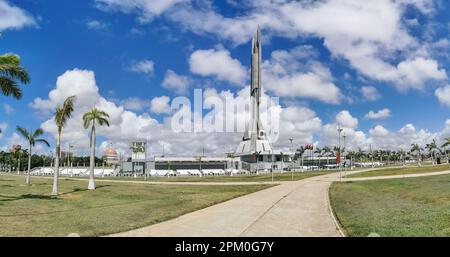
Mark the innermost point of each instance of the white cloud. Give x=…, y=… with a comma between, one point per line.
x=143, y=66
x=96, y=25
x=381, y=114
x=125, y=125
x=412, y=73
x=373, y=37
x=146, y=9
x=370, y=93
x=379, y=137
x=179, y=84
x=346, y=120
x=160, y=105
x=293, y=74
x=135, y=104
x=13, y=17
x=73, y=82
x=219, y=64
x=443, y=95
x=298, y=122
x=379, y=131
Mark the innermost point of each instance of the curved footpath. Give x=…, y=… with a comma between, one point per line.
x=299, y=208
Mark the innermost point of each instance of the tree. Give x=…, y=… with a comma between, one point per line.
x=318, y=151
x=432, y=147
x=327, y=152
x=101, y=118
x=445, y=145
x=62, y=115
x=11, y=72
x=32, y=137
x=299, y=154
x=415, y=148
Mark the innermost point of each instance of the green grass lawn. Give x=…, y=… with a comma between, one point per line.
x=401, y=171
x=396, y=207
x=113, y=207
x=237, y=178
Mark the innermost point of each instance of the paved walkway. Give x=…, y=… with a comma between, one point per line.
x=298, y=208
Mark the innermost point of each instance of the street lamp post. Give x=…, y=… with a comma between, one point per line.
x=339, y=152
x=271, y=165
x=292, y=170
x=344, y=154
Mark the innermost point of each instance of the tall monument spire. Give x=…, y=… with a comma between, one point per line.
x=255, y=138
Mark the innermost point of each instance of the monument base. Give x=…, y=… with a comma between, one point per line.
x=261, y=147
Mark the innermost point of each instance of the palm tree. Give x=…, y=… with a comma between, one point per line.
x=327, y=152
x=18, y=152
x=10, y=73
x=445, y=145
x=418, y=149
x=101, y=118
x=62, y=115
x=32, y=137
x=318, y=151
x=299, y=154
x=432, y=147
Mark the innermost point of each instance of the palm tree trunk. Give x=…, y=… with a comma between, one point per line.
x=56, y=171
x=18, y=165
x=29, y=166
x=91, y=185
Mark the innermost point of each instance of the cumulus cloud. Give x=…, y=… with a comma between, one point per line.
x=179, y=84
x=379, y=137
x=143, y=66
x=373, y=37
x=298, y=122
x=127, y=126
x=443, y=95
x=219, y=64
x=346, y=120
x=294, y=73
x=13, y=17
x=160, y=105
x=135, y=104
x=146, y=9
x=370, y=93
x=412, y=73
x=381, y=114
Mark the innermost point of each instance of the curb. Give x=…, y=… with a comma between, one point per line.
x=333, y=216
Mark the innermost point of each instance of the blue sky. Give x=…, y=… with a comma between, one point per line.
x=396, y=50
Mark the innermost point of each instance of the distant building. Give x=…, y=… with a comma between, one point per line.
x=110, y=156
x=139, y=156
x=15, y=148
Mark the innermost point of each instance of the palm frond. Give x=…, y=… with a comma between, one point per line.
x=24, y=133
x=103, y=121
x=40, y=140
x=64, y=113
x=38, y=132
x=87, y=118
x=14, y=72
x=10, y=87
x=95, y=115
